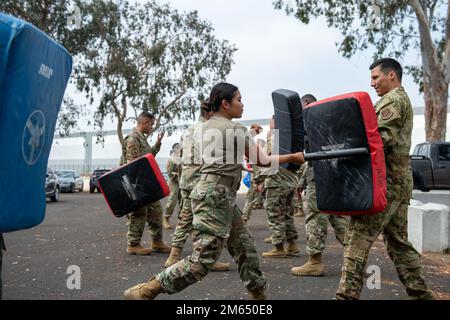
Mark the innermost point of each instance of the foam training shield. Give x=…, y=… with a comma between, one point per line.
x=289, y=123
x=34, y=71
x=133, y=186
x=355, y=184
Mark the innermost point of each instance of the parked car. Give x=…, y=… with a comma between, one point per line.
x=69, y=180
x=93, y=182
x=430, y=163
x=52, y=187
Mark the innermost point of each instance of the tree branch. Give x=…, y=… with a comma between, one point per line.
x=428, y=48
x=167, y=108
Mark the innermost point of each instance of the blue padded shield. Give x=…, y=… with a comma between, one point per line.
x=34, y=71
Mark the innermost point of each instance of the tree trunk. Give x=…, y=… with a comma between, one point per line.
x=435, y=82
x=119, y=131
x=436, y=111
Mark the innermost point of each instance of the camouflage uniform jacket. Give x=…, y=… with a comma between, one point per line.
x=173, y=169
x=191, y=159
x=135, y=145
x=395, y=123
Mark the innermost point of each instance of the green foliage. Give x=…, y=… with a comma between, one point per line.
x=129, y=57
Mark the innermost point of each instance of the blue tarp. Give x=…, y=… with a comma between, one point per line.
x=34, y=71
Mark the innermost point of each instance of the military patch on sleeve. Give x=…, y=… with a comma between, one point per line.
x=386, y=114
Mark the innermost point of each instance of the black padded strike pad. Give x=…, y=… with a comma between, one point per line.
x=289, y=122
x=132, y=186
x=343, y=184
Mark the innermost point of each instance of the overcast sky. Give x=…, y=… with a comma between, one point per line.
x=277, y=51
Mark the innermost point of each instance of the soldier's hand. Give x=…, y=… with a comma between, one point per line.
x=255, y=129
x=161, y=134
x=298, y=158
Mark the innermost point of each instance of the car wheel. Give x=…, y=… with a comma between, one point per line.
x=91, y=189
x=72, y=188
x=55, y=197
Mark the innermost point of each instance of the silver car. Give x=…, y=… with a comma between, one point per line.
x=69, y=180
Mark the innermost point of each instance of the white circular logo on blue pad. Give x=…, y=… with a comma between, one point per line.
x=33, y=137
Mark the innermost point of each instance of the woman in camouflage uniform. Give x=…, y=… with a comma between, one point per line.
x=217, y=222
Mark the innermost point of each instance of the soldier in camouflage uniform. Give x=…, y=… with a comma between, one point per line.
x=217, y=220
x=253, y=197
x=279, y=189
x=298, y=201
x=173, y=170
x=190, y=174
x=135, y=146
x=395, y=122
x=316, y=223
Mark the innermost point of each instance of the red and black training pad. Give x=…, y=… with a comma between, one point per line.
x=351, y=182
x=133, y=186
x=289, y=123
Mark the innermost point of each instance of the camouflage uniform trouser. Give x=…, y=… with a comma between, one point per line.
x=184, y=225
x=173, y=197
x=362, y=233
x=217, y=223
x=152, y=214
x=298, y=204
x=279, y=206
x=253, y=198
x=316, y=224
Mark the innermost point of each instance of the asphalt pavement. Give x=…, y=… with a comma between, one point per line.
x=80, y=232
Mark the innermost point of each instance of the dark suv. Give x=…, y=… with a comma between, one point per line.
x=93, y=182
x=52, y=187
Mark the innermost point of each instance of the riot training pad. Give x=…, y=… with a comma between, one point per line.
x=34, y=71
x=355, y=184
x=289, y=122
x=133, y=186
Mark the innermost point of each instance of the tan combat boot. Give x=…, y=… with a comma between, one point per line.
x=220, y=266
x=292, y=249
x=277, y=252
x=139, y=250
x=174, y=257
x=268, y=240
x=166, y=223
x=312, y=268
x=258, y=294
x=160, y=247
x=144, y=291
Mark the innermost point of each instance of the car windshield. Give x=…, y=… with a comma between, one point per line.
x=100, y=172
x=64, y=174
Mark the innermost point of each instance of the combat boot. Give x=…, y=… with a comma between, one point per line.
x=258, y=294
x=312, y=268
x=160, y=247
x=174, y=257
x=144, y=291
x=166, y=223
x=268, y=240
x=277, y=252
x=139, y=250
x=292, y=249
x=220, y=266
